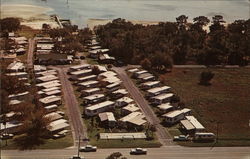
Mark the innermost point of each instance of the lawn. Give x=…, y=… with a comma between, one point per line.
x=93, y=132
x=27, y=32
x=60, y=143
x=226, y=101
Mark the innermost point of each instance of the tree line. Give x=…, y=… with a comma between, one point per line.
x=29, y=112
x=181, y=42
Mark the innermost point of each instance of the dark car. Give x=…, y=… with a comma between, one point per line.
x=82, y=57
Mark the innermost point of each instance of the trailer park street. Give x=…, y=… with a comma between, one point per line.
x=111, y=107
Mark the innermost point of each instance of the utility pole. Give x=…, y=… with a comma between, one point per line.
x=78, y=152
x=217, y=131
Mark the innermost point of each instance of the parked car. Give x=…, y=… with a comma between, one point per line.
x=6, y=136
x=138, y=151
x=76, y=157
x=88, y=148
x=181, y=138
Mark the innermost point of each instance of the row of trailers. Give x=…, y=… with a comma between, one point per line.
x=160, y=96
x=102, y=94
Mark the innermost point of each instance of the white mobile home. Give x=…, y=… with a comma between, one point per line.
x=173, y=117
x=90, y=91
x=18, y=96
x=99, y=108
x=39, y=68
x=46, y=78
x=119, y=93
x=198, y=126
x=123, y=101
x=132, y=70
x=149, y=85
x=107, y=74
x=111, y=80
x=136, y=74
x=10, y=127
x=50, y=100
x=134, y=119
x=95, y=98
x=54, y=92
x=144, y=75
x=157, y=90
x=79, y=67
x=88, y=84
x=166, y=107
x=130, y=109
x=16, y=67
x=112, y=87
x=162, y=98
x=86, y=78
x=50, y=89
x=45, y=73
x=58, y=125
x=80, y=73
x=18, y=74
x=51, y=108
x=107, y=119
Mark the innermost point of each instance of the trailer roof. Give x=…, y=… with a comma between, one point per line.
x=94, y=96
x=100, y=105
x=195, y=122
x=158, y=89
x=163, y=96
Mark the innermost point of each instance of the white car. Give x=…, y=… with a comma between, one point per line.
x=138, y=151
x=181, y=138
x=88, y=148
x=76, y=157
x=6, y=136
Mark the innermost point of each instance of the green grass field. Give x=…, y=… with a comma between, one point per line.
x=226, y=101
x=60, y=143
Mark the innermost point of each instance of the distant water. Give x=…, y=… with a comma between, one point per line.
x=79, y=11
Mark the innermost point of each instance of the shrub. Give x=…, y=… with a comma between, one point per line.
x=206, y=77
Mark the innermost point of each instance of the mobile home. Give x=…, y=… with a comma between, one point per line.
x=95, y=98
x=149, y=85
x=173, y=117
x=99, y=108
x=162, y=98
x=157, y=90
x=90, y=91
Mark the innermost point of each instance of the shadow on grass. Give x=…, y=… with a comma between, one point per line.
x=25, y=142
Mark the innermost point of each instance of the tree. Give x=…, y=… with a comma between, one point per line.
x=181, y=20
x=116, y=155
x=206, y=77
x=10, y=24
x=146, y=64
x=96, y=70
x=217, y=20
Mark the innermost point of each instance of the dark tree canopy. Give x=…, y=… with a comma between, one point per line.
x=178, y=42
x=10, y=24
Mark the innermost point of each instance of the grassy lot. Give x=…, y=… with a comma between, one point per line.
x=27, y=32
x=226, y=101
x=63, y=142
x=93, y=132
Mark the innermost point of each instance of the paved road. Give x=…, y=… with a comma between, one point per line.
x=31, y=50
x=71, y=103
x=171, y=152
x=163, y=136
